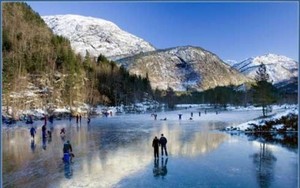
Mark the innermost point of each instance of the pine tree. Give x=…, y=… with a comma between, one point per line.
x=263, y=91
x=170, y=96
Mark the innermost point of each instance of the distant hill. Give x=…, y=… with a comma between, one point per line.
x=183, y=68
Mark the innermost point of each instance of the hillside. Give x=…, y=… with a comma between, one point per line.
x=97, y=36
x=183, y=68
x=40, y=69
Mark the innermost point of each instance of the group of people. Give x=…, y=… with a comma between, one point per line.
x=78, y=118
x=45, y=132
x=67, y=147
x=180, y=115
x=162, y=142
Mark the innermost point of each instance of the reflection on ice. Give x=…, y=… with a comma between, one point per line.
x=32, y=145
x=160, y=169
x=44, y=146
x=68, y=170
x=111, y=150
x=264, y=161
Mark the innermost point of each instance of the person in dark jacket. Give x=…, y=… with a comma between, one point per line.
x=68, y=150
x=155, y=145
x=62, y=131
x=44, y=129
x=163, y=142
x=77, y=118
x=67, y=147
x=179, y=115
x=88, y=119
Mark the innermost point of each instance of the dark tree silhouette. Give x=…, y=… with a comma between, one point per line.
x=263, y=90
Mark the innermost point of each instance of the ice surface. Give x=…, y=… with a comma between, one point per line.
x=115, y=151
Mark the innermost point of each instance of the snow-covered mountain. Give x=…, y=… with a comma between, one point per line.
x=280, y=68
x=183, y=68
x=97, y=36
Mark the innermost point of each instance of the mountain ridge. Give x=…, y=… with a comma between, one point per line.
x=280, y=68
x=183, y=68
x=96, y=36
x=103, y=31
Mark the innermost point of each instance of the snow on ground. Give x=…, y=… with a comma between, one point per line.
x=61, y=110
x=287, y=109
x=192, y=105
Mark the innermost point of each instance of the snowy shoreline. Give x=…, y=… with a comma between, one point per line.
x=286, y=121
x=250, y=124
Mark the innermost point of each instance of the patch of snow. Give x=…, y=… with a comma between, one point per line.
x=62, y=110
x=279, y=126
x=287, y=109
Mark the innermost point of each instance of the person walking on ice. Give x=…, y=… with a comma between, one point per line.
x=163, y=142
x=68, y=155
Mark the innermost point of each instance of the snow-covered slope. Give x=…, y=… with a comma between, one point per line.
x=183, y=68
x=279, y=68
x=97, y=36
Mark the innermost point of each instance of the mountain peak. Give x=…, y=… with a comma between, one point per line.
x=280, y=68
x=272, y=58
x=97, y=36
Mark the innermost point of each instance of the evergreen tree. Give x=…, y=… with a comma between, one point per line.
x=263, y=90
x=170, y=97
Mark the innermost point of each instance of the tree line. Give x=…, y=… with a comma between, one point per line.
x=260, y=93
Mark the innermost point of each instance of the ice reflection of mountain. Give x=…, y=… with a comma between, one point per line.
x=104, y=155
x=131, y=155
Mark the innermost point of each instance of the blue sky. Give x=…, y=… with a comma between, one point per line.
x=232, y=30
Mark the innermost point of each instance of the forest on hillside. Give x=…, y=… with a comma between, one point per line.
x=35, y=59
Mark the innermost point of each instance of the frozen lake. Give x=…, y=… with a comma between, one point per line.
x=116, y=152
